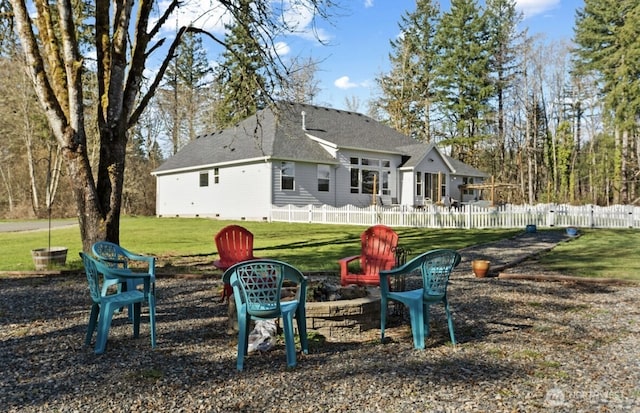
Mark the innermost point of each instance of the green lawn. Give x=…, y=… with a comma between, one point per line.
x=315, y=247
x=598, y=253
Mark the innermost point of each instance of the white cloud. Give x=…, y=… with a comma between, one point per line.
x=282, y=48
x=299, y=17
x=531, y=8
x=368, y=3
x=208, y=15
x=211, y=16
x=345, y=82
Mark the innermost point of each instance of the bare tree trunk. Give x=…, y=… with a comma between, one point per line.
x=61, y=98
x=7, y=183
x=28, y=141
x=617, y=175
x=27, y=136
x=624, y=179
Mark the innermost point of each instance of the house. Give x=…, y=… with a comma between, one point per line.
x=303, y=154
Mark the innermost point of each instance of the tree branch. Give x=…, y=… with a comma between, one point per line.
x=73, y=66
x=158, y=78
x=36, y=67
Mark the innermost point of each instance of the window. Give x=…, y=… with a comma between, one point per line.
x=324, y=176
x=355, y=179
x=204, y=179
x=431, y=186
x=419, y=183
x=216, y=175
x=385, y=183
x=287, y=175
x=467, y=181
x=370, y=176
x=370, y=182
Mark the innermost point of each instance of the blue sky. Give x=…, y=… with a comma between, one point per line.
x=358, y=38
x=360, y=43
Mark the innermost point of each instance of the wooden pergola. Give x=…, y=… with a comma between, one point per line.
x=492, y=186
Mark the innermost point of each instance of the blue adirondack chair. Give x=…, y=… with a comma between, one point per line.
x=435, y=267
x=104, y=306
x=257, y=290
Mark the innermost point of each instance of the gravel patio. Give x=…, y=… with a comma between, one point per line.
x=524, y=346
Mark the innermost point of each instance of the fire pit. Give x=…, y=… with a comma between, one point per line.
x=344, y=312
x=343, y=315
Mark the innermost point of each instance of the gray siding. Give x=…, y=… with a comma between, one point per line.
x=305, y=189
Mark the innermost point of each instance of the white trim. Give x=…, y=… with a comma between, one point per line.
x=211, y=165
x=322, y=141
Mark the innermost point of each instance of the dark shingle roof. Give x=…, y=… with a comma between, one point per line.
x=279, y=134
x=345, y=129
x=461, y=168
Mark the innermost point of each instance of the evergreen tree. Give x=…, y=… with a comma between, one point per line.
x=240, y=79
x=463, y=83
x=505, y=44
x=407, y=90
x=181, y=99
x=608, y=37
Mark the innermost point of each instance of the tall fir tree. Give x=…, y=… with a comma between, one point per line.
x=463, y=81
x=607, y=34
x=407, y=90
x=505, y=43
x=181, y=98
x=239, y=78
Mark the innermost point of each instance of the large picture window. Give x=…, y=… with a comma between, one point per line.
x=370, y=176
x=287, y=176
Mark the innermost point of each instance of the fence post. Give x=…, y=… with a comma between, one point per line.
x=551, y=218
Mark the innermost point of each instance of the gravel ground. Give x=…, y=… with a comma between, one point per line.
x=524, y=346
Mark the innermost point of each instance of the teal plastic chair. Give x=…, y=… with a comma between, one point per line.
x=435, y=267
x=118, y=257
x=103, y=306
x=115, y=256
x=257, y=291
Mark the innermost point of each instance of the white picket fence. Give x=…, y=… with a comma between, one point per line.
x=467, y=216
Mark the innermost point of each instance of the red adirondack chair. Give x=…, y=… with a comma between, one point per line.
x=234, y=244
x=379, y=244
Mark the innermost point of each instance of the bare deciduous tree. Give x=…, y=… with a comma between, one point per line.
x=124, y=39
